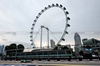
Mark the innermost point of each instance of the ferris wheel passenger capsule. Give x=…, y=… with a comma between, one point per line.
x=45, y=7
x=39, y=13
x=30, y=36
x=31, y=32
x=30, y=40
x=61, y=6
x=53, y=5
x=57, y=4
x=32, y=44
x=49, y=6
x=33, y=24
x=32, y=28
x=68, y=25
x=34, y=20
x=67, y=12
x=64, y=8
x=37, y=17
x=63, y=39
x=68, y=18
x=66, y=32
x=42, y=10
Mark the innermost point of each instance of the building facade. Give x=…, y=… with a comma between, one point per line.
x=52, y=43
x=78, y=43
x=2, y=50
x=91, y=42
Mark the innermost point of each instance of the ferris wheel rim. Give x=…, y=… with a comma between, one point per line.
x=42, y=11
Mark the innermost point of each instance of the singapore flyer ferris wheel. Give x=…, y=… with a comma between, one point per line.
x=50, y=23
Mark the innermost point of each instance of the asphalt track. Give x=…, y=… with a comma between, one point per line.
x=51, y=63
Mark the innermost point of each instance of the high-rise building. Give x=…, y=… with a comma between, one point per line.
x=77, y=43
x=77, y=39
x=2, y=50
x=52, y=43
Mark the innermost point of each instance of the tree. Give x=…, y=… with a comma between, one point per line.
x=20, y=48
x=81, y=53
x=12, y=48
x=64, y=48
x=58, y=47
x=0, y=54
x=7, y=48
x=55, y=48
x=73, y=53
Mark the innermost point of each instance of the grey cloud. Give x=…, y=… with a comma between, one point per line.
x=19, y=15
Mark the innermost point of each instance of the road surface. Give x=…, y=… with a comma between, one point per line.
x=49, y=63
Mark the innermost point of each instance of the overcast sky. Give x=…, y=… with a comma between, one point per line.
x=18, y=16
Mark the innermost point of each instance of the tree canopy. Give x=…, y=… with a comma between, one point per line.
x=81, y=53
x=14, y=48
x=20, y=47
x=60, y=47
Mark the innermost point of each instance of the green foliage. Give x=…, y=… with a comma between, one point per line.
x=55, y=48
x=0, y=54
x=95, y=53
x=12, y=48
x=60, y=47
x=20, y=47
x=73, y=53
x=6, y=49
x=64, y=48
x=81, y=53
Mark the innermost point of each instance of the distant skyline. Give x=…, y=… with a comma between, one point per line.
x=17, y=16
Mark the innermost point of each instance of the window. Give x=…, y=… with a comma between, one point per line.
x=39, y=53
x=45, y=53
x=53, y=52
x=23, y=53
x=33, y=53
x=27, y=53
x=61, y=52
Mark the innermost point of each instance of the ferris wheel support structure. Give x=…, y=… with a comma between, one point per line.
x=47, y=36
